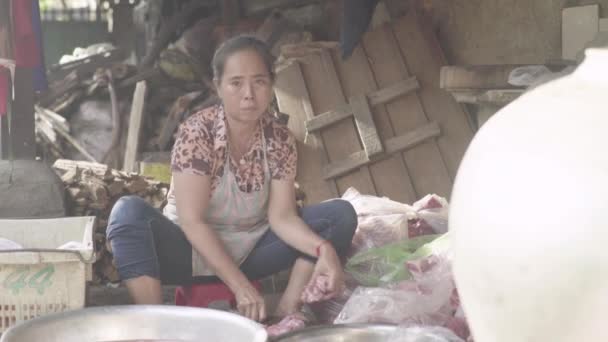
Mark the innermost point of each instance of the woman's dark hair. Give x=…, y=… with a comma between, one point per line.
x=237, y=44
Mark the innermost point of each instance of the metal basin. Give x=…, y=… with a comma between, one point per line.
x=341, y=333
x=136, y=323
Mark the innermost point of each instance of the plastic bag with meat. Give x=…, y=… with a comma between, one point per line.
x=425, y=300
x=378, y=231
x=429, y=297
x=431, y=216
x=423, y=334
x=383, y=221
x=366, y=205
x=385, y=265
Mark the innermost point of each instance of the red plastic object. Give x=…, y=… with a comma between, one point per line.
x=203, y=295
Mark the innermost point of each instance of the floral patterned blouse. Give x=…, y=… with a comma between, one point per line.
x=202, y=143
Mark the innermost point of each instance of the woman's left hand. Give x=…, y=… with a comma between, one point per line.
x=328, y=264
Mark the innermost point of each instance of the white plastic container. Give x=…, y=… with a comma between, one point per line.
x=529, y=214
x=41, y=279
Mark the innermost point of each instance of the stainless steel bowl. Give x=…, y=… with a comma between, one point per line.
x=341, y=333
x=138, y=322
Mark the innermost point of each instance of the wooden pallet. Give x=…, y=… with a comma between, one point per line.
x=377, y=121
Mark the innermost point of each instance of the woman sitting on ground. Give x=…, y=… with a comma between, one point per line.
x=231, y=211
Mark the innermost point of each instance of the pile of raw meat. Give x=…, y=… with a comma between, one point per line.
x=398, y=272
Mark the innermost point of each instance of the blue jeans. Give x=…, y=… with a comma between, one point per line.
x=145, y=242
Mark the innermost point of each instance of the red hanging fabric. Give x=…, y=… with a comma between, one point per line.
x=25, y=48
x=4, y=72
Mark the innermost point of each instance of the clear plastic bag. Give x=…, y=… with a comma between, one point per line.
x=431, y=211
x=423, y=300
x=385, y=265
x=366, y=205
x=383, y=221
x=378, y=231
x=423, y=334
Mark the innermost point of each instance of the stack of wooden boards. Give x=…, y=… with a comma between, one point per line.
x=92, y=189
x=377, y=121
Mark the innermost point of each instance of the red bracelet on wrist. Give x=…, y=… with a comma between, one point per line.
x=318, y=249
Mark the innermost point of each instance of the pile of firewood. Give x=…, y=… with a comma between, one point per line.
x=92, y=189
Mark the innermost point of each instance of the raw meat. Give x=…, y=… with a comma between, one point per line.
x=287, y=324
x=316, y=290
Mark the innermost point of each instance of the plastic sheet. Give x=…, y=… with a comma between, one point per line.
x=426, y=299
x=385, y=265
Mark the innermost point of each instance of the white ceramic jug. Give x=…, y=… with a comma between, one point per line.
x=529, y=214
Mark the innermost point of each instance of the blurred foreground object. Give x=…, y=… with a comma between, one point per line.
x=529, y=214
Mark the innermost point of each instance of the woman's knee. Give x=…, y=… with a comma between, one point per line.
x=128, y=213
x=344, y=217
x=128, y=208
x=340, y=224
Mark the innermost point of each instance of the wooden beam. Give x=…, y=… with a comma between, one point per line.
x=293, y=98
x=483, y=76
x=494, y=96
x=328, y=118
x=68, y=165
x=366, y=126
x=253, y=7
x=86, y=65
x=390, y=93
x=408, y=140
x=393, y=145
x=135, y=122
x=378, y=97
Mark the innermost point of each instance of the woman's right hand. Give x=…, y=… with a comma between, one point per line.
x=250, y=303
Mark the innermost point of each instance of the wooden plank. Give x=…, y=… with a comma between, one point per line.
x=293, y=99
x=390, y=176
x=579, y=26
x=328, y=118
x=135, y=121
x=393, y=145
x=87, y=64
x=253, y=7
x=408, y=140
x=68, y=165
x=471, y=77
x=394, y=91
x=376, y=98
x=424, y=57
x=341, y=139
x=424, y=164
x=495, y=96
x=365, y=125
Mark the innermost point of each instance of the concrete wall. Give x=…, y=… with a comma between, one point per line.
x=502, y=31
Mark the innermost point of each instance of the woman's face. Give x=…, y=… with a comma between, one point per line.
x=245, y=87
